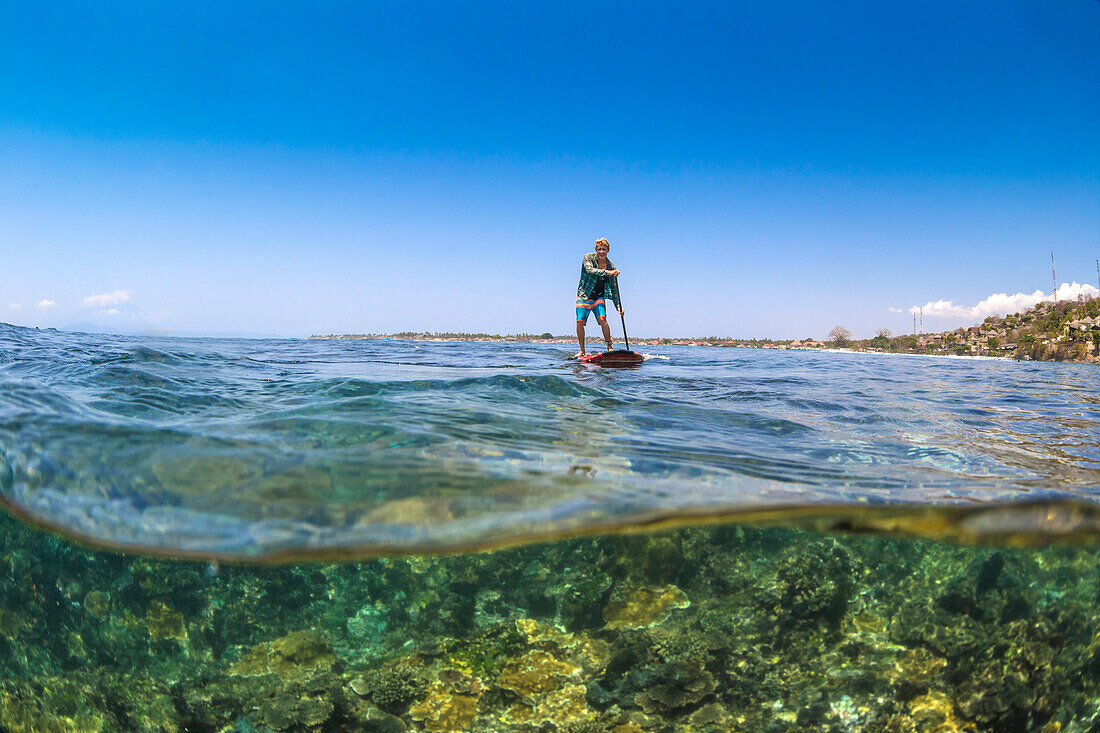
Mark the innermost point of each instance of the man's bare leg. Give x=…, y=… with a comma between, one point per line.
x=580, y=335
x=606, y=332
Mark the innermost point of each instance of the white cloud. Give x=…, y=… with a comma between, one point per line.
x=16, y=307
x=105, y=299
x=111, y=311
x=1072, y=290
x=47, y=303
x=1002, y=303
x=892, y=309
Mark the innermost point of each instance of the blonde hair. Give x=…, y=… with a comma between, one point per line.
x=601, y=240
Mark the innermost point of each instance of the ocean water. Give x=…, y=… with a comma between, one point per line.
x=227, y=448
x=489, y=537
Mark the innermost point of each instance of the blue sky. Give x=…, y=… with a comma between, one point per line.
x=761, y=169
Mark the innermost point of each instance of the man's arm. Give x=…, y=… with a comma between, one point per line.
x=615, y=292
x=590, y=266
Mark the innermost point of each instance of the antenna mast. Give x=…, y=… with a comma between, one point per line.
x=1054, y=278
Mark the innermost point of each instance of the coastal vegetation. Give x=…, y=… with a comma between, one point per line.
x=840, y=337
x=1062, y=331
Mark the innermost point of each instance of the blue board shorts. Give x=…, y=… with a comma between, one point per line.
x=584, y=307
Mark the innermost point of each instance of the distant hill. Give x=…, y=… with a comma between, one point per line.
x=1063, y=331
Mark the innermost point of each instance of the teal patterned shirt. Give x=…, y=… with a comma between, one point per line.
x=592, y=276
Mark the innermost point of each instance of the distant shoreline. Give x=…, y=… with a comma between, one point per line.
x=705, y=342
x=527, y=338
x=572, y=340
x=1065, y=331
x=714, y=343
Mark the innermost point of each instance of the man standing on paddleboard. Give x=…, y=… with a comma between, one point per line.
x=599, y=280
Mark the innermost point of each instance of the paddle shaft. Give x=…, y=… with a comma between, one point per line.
x=623, y=318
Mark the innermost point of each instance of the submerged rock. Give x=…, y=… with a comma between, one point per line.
x=442, y=710
x=724, y=628
x=98, y=604
x=288, y=684
x=812, y=584
x=640, y=608
x=164, y=622
x=87, y=703
x=292, y=657
x=393, y=687
x=563, y=709
x=712, y=718
x=673, y=687
x=536, y=672
x=935, y=712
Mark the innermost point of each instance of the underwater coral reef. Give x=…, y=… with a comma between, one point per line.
x=707, y=629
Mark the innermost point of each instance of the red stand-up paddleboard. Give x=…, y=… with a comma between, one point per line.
x=616, y=358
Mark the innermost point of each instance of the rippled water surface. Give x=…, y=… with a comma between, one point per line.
x=244, y=447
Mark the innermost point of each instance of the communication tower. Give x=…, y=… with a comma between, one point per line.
x=1054, y=278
